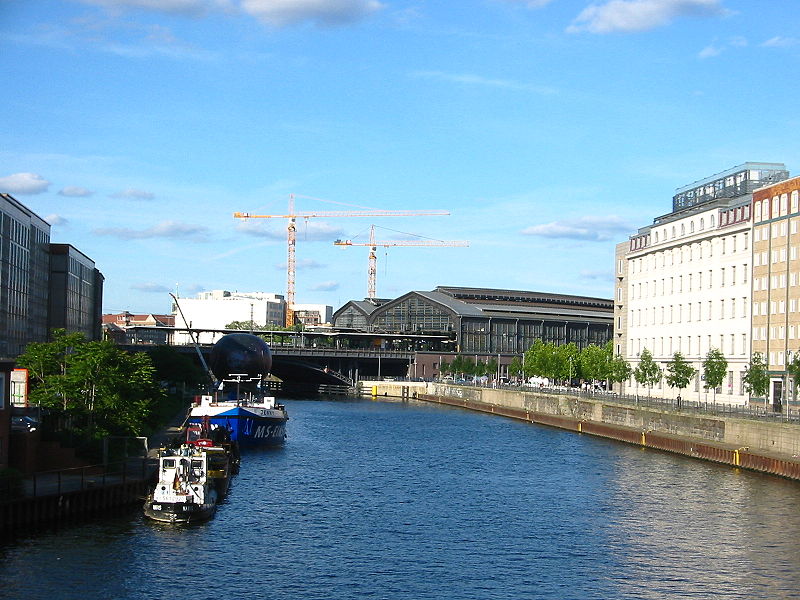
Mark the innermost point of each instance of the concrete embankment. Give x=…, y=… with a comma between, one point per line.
x=765, y=446
x=67, y=495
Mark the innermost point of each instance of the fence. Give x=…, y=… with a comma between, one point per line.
x=747, y=411
x=55, y=483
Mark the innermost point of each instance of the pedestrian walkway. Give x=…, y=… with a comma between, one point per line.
x=81, y=478
x=164, y=437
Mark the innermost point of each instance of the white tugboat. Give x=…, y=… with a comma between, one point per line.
x=187, y=488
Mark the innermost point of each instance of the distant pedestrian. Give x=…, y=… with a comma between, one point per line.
x=679, y=401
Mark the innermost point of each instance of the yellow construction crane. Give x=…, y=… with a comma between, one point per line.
x=292, y=235
x=372, y=270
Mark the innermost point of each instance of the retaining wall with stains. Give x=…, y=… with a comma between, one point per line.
x=765, y=446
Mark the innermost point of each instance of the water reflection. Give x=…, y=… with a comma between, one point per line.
x=407, y=500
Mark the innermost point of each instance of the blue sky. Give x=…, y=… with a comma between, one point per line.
x=550, y=130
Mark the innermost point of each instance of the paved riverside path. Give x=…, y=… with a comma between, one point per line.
x=71, y=480
x=163, y=437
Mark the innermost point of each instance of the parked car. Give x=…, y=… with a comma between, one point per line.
x=25, y=424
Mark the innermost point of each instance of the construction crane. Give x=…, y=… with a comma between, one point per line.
x=372, y=270
x=292, y=235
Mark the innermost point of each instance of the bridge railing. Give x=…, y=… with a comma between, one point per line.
x=311, y=351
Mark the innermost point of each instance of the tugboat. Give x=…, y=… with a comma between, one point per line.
x=224, y=458
x=240, y=363
x=188, y=482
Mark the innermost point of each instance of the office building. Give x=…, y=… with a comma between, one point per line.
x=683, y=284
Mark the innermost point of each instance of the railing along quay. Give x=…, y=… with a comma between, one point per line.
x=718, y=409
x=52, y=496
x=709, y=408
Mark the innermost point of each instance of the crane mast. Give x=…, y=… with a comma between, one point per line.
x=291, y=235
x=372, y=268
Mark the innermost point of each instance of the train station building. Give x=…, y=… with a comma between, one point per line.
x=484, y=321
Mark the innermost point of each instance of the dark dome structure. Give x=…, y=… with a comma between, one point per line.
x=240, y=354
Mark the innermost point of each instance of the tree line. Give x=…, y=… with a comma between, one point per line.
x=566, y=363
x=94, y=389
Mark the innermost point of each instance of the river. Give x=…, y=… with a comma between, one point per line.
x=418, y=501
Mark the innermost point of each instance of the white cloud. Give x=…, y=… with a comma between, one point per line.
x=606, y=275
x=781, y=42
x=55, y=219
x=179, y=7
x=151, y=288
x=709, y=51
x=716, y=49
x=72, y=191
x=470, y=79
x=24, y=183
x=326, y=286
x=595, y=229
x=640, y=15
x=281, y=13
x=530, y=3
x=165, y=229
x=133, y=194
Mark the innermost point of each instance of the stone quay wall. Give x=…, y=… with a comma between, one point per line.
x=766, y=446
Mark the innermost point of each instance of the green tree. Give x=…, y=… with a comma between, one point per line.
x=491, y=368
x=515, y=369
x=715, y=366
x=647, y=372
x=537, y=359
x=679, y=372
x=756, y=379
x=619, y=370
x=460, y=365
x=243, y=325
x=444, y=368
x=175, y=368
x=104, y=389
x=793, y=368
x=595, y=361
x=567, y=362
x=48, y=364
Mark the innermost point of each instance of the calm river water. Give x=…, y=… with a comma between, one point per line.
x=417, y=501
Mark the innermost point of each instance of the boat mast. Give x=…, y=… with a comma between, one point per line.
x=195, y=342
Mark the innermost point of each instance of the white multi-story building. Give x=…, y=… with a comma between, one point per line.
x=218, y=308
x=683, y=284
